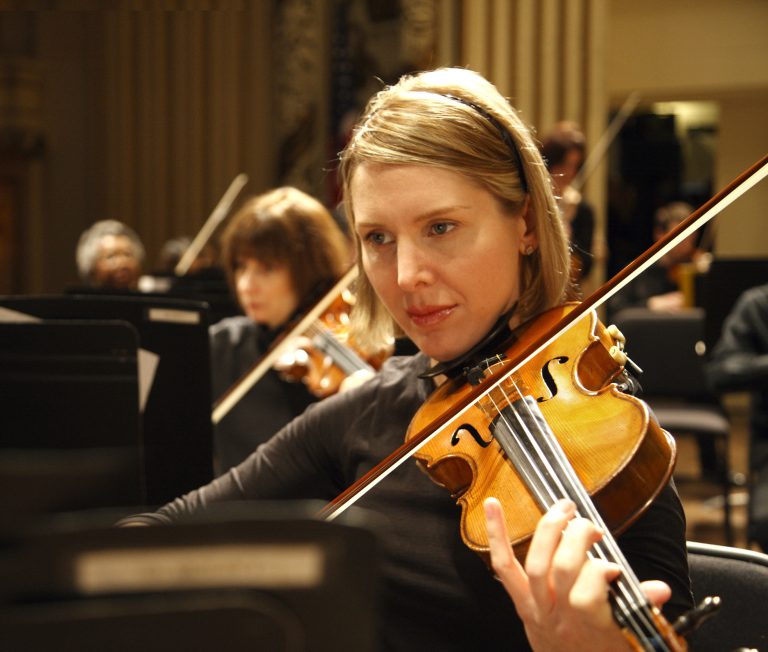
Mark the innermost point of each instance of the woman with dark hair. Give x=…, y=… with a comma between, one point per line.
x=564, y=152
x=280, y=252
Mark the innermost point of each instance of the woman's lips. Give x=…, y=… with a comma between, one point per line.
x=429, y=315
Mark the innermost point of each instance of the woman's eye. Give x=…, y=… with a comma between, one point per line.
x=441, y=228
x=377, y=238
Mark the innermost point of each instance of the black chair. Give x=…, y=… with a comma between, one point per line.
x=740, y=579
x=668, y=347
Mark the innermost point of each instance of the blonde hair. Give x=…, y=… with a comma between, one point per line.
x=286, y=226
x=453, y=118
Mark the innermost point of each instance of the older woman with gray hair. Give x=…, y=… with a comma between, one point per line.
x=110, y=255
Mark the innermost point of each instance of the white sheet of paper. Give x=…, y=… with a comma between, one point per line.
x=147, y=363
x=9, y=316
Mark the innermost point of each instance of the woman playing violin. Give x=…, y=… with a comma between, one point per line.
x=456, y=226
x=278, y=250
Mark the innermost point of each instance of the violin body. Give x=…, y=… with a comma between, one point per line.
x=620, y=454
x=327, y=355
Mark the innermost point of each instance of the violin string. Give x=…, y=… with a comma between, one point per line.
x=629, y=599
x=353, y=361
x=632, y=604
x=627, y=613
x=342, y=355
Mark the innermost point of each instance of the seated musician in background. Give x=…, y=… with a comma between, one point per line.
x=110, y=255
x=278, y=251
x=457, y=230
x=660, y=287
x=564, y=151
x=739, y=362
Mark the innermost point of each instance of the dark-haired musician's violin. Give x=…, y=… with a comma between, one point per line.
x=326, y=356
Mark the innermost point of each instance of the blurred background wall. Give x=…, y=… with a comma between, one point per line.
x=146, y=111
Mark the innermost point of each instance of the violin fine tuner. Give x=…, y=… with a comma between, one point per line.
x=691, y=620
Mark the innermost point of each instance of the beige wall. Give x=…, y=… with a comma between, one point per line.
x=704, y=50
x=676, y=47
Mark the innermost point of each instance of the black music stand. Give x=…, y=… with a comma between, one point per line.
x=253, y=577
x=176, y=423
x=70, y=428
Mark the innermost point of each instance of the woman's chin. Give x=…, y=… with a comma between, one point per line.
x=441, y=352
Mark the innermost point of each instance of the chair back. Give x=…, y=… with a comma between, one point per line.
x=740, y=578
x=669, y=348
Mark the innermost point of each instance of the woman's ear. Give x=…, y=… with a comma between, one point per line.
x=529, y=240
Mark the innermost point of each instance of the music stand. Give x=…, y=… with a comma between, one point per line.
x=176, y=424
x=254, y=575
x=70, y=435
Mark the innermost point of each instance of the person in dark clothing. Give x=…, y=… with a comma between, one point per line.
x=564, y=152
x=661, y=286
x=739, y=362
x=456, y=229
x=277, y=251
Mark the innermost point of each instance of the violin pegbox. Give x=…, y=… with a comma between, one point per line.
x=617, y=351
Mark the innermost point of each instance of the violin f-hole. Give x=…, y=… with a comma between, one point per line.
x=549, y=380
x=473, y=433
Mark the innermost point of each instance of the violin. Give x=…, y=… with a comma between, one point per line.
x=327, y=355
x=317, y=321
x=503, y=444
x=537, y=414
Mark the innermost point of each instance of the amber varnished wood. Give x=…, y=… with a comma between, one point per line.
x=620, y=455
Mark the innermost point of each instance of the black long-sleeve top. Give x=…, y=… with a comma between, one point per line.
x=237, y=344
x=739, y=362
x=437, y=593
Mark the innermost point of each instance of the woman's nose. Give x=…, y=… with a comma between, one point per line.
x=247, y=281
x=413, y=268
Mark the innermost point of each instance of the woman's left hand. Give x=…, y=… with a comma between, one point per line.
x=561, y=594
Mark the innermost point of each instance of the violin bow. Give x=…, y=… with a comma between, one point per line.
x=280, y=346
x=597, y=153
x=715, y=205
x=214, y=219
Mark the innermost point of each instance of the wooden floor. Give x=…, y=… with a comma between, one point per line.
x=702, y=500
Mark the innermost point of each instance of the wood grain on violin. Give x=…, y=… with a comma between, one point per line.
x=620, y=455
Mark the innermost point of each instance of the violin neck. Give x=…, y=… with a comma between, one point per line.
x=342, y=356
